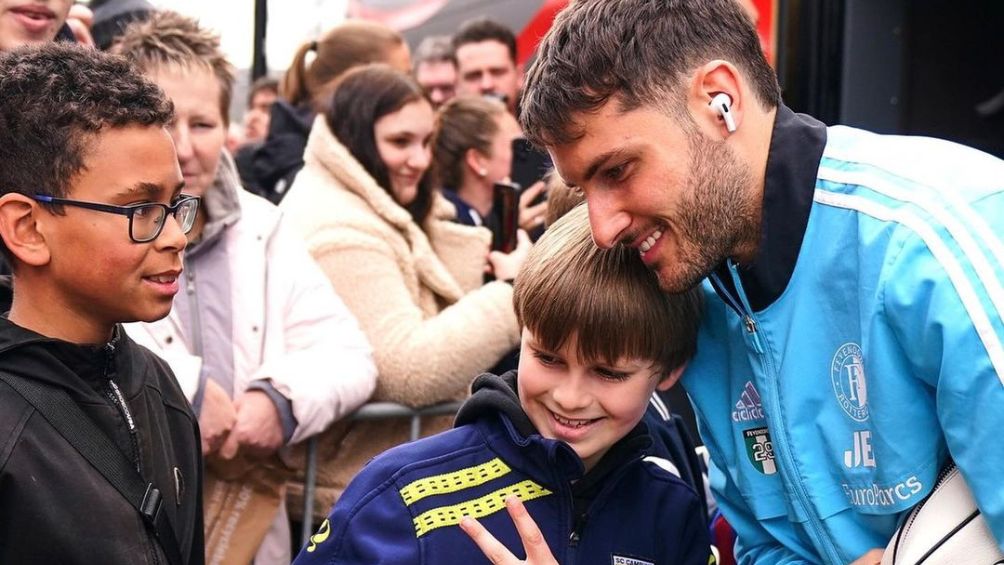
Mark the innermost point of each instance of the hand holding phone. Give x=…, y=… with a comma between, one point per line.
x=505, y=266
x=505, y=210
x=533, y=206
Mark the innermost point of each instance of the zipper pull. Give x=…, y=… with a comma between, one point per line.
x=109, y=369
x=576, y=535
x=751, y=329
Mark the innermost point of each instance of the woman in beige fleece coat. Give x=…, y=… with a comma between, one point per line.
x=411, y=276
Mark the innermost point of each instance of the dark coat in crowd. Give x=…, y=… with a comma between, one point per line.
x=57, y=508
x=268, y=168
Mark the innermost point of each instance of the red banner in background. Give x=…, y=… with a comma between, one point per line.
x=762, y=12
x=764, y=15
x=412, y=14
x=404, y=15
x=527, y=40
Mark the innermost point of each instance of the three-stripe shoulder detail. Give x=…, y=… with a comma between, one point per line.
x=935, y=216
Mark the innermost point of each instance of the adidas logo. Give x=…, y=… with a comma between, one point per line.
x=749, y=408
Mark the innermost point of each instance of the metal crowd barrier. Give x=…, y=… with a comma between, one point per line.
x=371, y=411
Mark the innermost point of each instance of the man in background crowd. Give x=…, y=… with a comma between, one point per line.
x=486, y=61
x=264, y=93
x=435, y=69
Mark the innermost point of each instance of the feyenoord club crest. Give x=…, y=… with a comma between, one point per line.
x=760, y=450
x=847, y=372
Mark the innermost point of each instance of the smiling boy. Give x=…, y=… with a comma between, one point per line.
x=564, y=433
x=93, y=222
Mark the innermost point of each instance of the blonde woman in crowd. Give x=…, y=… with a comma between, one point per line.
x=412, y=276
x=259, y=341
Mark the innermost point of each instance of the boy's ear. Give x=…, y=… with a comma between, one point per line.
x=671, y=379
x=20, y=231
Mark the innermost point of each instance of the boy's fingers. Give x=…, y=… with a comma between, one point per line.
x=537, y=552
x=491, y=547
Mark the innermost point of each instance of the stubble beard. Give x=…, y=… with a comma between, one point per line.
x=716, y=214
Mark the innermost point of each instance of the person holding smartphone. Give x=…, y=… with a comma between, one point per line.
x=472, y=153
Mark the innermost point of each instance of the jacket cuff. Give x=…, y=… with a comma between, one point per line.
x=282, y=404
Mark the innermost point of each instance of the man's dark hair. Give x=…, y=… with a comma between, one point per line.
x=639, y=51
x=56, y=97
x=363, y=96
x=485, y=29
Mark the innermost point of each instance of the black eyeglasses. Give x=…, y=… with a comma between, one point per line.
x=146, y=221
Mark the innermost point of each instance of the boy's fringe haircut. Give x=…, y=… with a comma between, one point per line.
x=606, y=299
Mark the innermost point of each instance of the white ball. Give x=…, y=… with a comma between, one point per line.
x=945, y=529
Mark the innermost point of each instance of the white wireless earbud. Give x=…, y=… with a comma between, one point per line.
x=722, y=103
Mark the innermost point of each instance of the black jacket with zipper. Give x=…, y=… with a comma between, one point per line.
x=54, y=506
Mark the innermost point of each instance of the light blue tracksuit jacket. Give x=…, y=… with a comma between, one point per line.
x=830, y=412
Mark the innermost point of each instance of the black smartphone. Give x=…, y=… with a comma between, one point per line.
x=505, y=212
x=529, y=164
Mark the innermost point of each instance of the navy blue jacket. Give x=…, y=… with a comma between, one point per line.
x=405, y=506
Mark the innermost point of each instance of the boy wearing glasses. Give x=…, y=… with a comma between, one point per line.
x=259, y=341
x=93, y=223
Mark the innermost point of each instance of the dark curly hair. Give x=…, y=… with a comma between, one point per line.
x=56, y=97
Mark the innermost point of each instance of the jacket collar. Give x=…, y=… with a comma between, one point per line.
x=222, y=204
x=80, y=369
x=796, y=147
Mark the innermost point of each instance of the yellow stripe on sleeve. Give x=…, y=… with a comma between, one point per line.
x=455, y=481
x=484, y=506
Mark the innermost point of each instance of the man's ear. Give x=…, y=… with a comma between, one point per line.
x=671, y=379
x=20, y=229
x=711, y=79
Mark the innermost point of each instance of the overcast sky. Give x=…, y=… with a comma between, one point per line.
x=290, y=23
